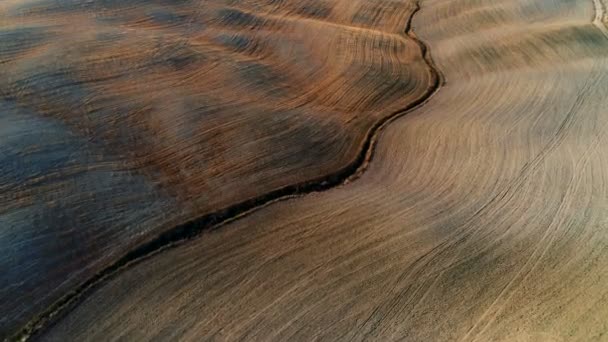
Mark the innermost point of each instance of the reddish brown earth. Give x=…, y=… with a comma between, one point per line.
x=121, y=120
x=482, y=215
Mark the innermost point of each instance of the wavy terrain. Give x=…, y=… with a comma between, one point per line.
x=482, y=216
x=129, y=125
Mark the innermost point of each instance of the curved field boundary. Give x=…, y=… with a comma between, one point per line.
x=193, y=228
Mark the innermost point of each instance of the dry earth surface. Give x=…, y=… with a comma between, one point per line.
x=482, y=216
x=120, y=119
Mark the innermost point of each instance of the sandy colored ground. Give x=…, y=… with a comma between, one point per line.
x=483, y=215
x=120, y=119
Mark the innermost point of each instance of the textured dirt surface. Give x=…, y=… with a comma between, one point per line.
x=122, y=119
x=482, y=215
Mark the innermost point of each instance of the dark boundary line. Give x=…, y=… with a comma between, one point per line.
x=186, y=231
